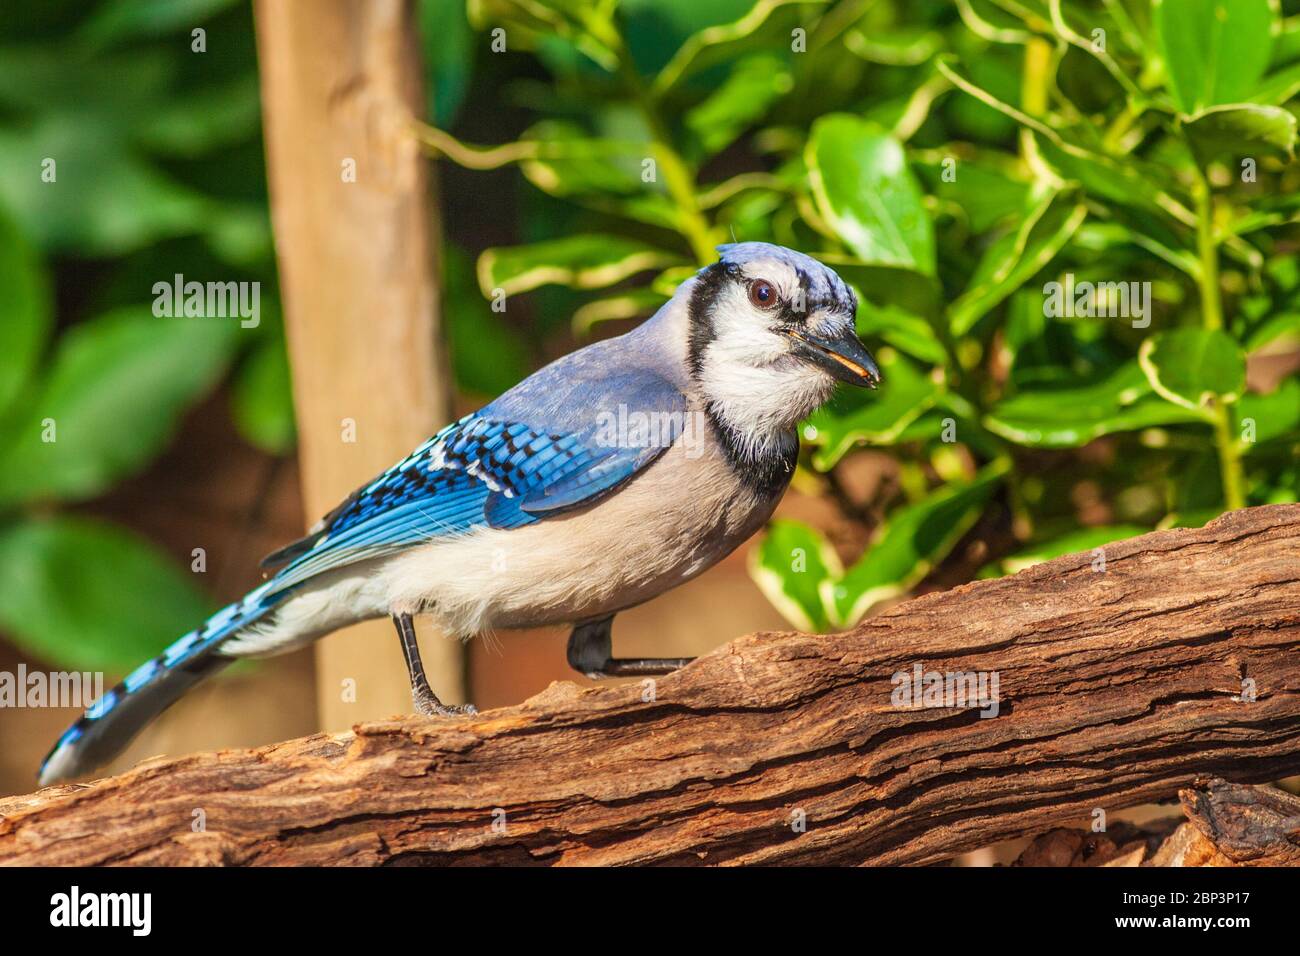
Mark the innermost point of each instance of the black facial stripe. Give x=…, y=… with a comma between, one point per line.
x=708, y=286
x=838, y=298
x=792, y=316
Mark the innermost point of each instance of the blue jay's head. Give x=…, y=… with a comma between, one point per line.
x=771, y=331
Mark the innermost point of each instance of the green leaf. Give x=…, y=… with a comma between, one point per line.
x=656, y=29
x=1286, y=46
x=570, y=162
x=1190, y=519
x=1191, y=367
x=790, y=566
x=119, y=20
x=213, y=117
x=714, y=42
x=588, y=261
x=866, y=193
x=487, y=355
x=599, y=173
x=913, y=540
x=1104, y=237
x=1273, y=328
x=531, y=26
x=1215, y=51
x=985, y=187
x=665, y=283
x=755, y=83
x=106, y=200
x=1196, y=483
x=1078, y=156
x=88, y=595
x=1241, y=129
x=1271, y=416
x=877, y=417
x=1277, y=88
x=24, y=309
x=904, y=331
x=1129, y=181
x=448, y=52
x=1081, y=539
x=111, y=400
x=261, y=400
x=888, y=286
x=1015, y=257
x=909, y=46
x=1072, y=416
x=632, y=304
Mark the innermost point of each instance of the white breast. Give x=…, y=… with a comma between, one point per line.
x=675, y=519
x=669, y=523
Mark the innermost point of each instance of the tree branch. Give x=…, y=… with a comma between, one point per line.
x=1117, y=686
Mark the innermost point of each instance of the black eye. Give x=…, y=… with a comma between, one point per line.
x=762, y=293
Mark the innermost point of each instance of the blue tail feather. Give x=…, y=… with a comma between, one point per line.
x=113, y=721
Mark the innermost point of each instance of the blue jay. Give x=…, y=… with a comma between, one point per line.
x=606, y=478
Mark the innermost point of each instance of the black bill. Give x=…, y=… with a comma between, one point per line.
x=843, y=355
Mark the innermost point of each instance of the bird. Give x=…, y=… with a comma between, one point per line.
x=604, y=479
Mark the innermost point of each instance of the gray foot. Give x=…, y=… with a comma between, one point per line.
x=428, y=705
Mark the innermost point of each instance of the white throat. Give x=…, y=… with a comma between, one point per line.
x=760, y=404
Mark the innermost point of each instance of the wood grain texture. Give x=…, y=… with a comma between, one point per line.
x=1117, y=687
x=357, y=252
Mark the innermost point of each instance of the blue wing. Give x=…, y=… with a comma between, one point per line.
x=487, y=470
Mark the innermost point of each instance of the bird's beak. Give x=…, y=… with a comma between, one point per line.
x=843, y=355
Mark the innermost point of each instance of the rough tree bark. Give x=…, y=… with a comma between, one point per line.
x=1177, y=662
x=354, y=235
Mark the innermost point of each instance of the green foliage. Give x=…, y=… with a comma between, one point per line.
x=88, y=594
x=487, y=356
x=583, y=262
x=790, y=565
x=1084, y=539
x=867, y=195
x=125, y=159
x=259, y=400
x=961, y=166
x=114, y=391
x=1215, y=51
x=84, y=593
x=1194, y=367
x=25, y=307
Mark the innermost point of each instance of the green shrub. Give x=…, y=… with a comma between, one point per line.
x=968, y=167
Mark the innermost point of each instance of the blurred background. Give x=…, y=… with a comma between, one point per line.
x=949, y=158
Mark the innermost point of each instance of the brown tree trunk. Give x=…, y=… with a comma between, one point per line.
x=1179, y=661
x=354, y=231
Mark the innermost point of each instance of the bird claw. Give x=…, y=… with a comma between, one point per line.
x=432, y=707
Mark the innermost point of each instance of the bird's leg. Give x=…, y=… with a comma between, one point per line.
x=422, y=695
x=591, y=646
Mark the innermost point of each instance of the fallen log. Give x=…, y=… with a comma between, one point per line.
x=1123, y=676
